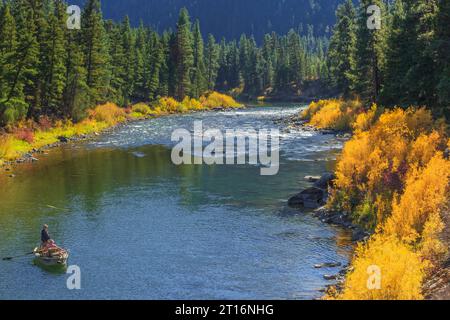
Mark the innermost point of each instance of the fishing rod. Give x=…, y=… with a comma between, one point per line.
x=11, y=258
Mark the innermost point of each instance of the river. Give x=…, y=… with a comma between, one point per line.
x=139, y=227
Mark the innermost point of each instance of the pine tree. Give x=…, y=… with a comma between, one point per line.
x=212, y=62
x=21, y=90
x=76, y=98
x=268, y=53
x=95, y=51
x=341, y=54
x=421, y=79
x=370, y=53
x=282, y=69
x=184, y=58
x=443, y=54
x=8, y=47
x=294, y=57
x=141, y=51
x=8, y=56
x=117, y=67
x=167, y=66
x=198, y=78
x=222, y=81
x=53, y=51
x=129, y=49
x=233, y=62
x=156, y=83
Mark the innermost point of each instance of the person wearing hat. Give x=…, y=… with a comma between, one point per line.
x=45, y=237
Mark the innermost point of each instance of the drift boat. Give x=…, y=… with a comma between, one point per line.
x=51, y=256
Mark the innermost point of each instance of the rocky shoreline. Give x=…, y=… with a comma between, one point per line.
x=436, y=287
x=313, y=200
x=335, y=218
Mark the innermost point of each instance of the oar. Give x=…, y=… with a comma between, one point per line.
x=24, y=255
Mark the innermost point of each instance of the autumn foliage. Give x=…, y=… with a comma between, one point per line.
x=393, y=179
x=332, y=114
x=398, y=270
x=215, y=100
x=27, y=135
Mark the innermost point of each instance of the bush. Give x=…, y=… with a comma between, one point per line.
x=215, y=100
x=314, y=107
x=365, y=120
x=393, y=179
x=416, y=215
x=109, y=113
x=401, y=274
x=332, y=114
x=375, y=163
x=12, y=111
x=45, y=123
x=5, y=147
x=191, y=104
x=168, y=105
x=25, y=134
x=142, y=109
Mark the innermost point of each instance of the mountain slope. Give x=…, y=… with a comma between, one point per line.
x=227, y=18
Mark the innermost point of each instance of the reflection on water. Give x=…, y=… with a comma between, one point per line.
x=140, y=227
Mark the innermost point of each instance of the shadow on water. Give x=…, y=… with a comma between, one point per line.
x=58, y=269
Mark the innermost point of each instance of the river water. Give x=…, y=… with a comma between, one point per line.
x=139, y=227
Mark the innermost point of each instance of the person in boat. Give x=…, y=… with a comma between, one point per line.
x=48, y=246
x=45, y=237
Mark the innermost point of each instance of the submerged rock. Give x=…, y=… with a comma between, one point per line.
x=360, y=235
x=328, y=265
x=311, y=198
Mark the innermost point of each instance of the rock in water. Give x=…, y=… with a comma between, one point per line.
x=63, y=139
x=311, y=198
x=325, y=181
x=328, y=265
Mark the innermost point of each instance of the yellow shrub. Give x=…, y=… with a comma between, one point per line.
x=142, y=109
x=167, y=104
x=393, y=178
x=191, y=104
x=332, y=114
x=328, y=116
x=218, y=100
x=375, y=163
x=314, y=107
x=109, y=113
x=6, y=147
x=424, y=198
x=424, y=148
x=431, y=247
x=401, y=271
x=365, y=120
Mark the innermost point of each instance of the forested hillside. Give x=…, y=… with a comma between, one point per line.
x=406, y=62
x=48, y=69
x=228, y=18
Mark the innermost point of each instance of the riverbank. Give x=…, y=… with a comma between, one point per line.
x=22, y=141
x=391, y=180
